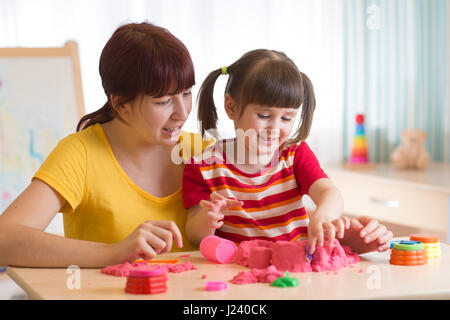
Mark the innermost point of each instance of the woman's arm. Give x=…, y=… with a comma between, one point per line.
x=366, y=235
x=23, y=241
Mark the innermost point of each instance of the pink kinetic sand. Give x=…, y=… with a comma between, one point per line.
x=290, y=256
x=180, y=267
x=266, y=275
x=269, y=260
x=259, y=255
x=123, y=269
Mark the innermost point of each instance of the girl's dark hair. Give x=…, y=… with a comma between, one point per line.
x=264, y=77
x=140, y=58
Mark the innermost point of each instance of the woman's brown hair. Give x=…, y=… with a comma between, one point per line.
x=140, y=58
x=264, y=77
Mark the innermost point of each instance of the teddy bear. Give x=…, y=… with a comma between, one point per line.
x=411, y=153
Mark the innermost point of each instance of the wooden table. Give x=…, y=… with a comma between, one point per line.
x=377, y=280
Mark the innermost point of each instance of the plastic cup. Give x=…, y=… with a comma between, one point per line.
x=218, y=249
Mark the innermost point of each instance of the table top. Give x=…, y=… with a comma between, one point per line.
x=372, y=278
x=436, y=177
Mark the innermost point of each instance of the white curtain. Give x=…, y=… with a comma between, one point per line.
x=397, y=71
x=216, y=33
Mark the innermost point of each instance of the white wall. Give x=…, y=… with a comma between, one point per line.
x=216, y=33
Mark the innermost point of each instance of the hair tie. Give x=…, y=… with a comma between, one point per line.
x=224, y=70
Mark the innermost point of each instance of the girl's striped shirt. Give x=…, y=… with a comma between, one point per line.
x=273, y=208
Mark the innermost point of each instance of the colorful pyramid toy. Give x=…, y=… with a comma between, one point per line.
x=359, y=158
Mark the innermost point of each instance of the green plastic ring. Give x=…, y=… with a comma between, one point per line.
x=409, y=246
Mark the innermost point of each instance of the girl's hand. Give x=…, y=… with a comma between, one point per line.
x=216, y=206
x=366, y=235
x=341, y=224
x=147, y=240
x=320, y=226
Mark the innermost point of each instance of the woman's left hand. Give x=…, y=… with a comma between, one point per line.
x=366, y=235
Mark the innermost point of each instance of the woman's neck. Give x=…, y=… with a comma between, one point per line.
x=128, y=146
x=148, y=165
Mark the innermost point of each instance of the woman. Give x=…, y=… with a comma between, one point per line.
x=114, y=180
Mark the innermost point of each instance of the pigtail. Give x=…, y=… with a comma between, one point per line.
x=207, y=112
x=308, y=107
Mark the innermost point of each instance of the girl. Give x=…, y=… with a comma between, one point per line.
x=265, y=170
x=113, y=180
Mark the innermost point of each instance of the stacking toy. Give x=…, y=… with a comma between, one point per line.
x=359, y=158
x=218, y=249
x=146, y=280
x=408, y=253
x=430, y=242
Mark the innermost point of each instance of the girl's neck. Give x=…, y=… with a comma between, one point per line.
x=248, y=162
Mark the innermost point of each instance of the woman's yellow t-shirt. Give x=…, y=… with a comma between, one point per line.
x=103, y=203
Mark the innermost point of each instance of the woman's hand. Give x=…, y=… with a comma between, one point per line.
x=319, y=226
x=367, y=235
x=147, y=240
x=215, y=208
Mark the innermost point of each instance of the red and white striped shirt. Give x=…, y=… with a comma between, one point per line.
x=273, y=208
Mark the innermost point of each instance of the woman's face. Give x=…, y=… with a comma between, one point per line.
x=159, y=120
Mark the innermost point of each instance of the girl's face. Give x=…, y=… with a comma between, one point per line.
x=159, y=120
x=268, y=127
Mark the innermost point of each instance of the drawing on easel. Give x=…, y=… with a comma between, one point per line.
x=41, y=102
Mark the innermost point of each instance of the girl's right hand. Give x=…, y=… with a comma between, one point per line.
x=215, y=208
x=147, y=240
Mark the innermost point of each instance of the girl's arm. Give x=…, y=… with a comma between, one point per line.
x=198, y=225
x=327, y=198
x=203, y=219
x=325, y=218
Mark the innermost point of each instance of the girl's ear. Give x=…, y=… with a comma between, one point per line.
x=231, y=107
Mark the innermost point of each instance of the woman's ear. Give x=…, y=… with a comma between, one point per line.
x=230, y=107
x=122, y=109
